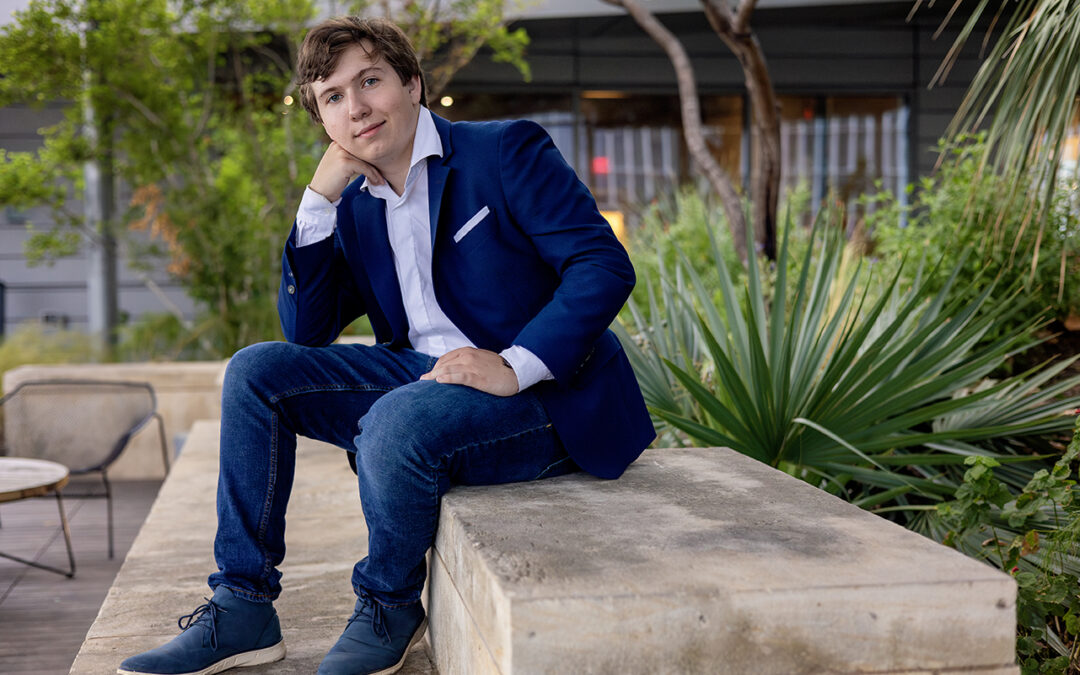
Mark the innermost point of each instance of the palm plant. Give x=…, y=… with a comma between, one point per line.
x=874, y=392
x=1025, y=94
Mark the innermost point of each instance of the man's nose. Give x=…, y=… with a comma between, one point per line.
x=358, y=107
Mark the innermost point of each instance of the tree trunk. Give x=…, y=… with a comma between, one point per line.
x=733, y=28
x=735, y=32
x=691, y=119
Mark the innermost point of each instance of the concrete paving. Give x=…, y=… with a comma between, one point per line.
x=702, y=561
x=164, y=575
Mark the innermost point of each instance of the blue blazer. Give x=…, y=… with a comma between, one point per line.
x=541, y=269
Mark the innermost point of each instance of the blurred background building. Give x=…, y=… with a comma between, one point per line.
x=851, y=78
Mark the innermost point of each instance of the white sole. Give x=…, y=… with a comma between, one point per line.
x=256, y=657
x=415, y=638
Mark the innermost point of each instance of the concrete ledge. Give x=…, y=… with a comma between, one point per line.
x=185, y=392
x=164, y=575
x=702, y=561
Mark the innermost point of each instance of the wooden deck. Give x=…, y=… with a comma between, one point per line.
x=44, y=616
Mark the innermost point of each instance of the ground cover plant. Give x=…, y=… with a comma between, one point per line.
x=875, y=388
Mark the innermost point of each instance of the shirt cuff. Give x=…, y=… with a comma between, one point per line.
x=527, y=366
x=316, y=219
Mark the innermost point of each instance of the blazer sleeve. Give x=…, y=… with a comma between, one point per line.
x=318, y=297
x=559, y=215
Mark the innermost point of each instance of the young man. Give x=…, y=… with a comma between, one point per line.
x=490, y=279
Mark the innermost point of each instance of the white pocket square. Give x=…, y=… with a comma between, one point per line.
x=472, y=222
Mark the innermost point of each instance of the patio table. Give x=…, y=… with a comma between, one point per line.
x=22, y=478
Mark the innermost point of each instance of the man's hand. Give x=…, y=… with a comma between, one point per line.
x=476, y=368
x=336, y=168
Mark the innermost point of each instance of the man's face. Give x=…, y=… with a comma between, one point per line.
x=368, y=111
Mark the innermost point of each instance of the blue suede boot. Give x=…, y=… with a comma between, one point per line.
x=224, y=633
x=376, y=639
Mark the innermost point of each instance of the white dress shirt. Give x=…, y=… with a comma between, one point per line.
x=409, y=228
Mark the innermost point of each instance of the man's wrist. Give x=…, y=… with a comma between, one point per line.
x=526, y=366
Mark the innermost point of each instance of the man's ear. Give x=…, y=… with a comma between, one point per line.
x=414, y=89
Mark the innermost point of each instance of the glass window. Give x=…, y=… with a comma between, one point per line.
x=867, y=142
x=629, y=147
x=626, y=147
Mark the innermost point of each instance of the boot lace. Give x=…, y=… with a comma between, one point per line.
x=373, y=609
x=209, y=612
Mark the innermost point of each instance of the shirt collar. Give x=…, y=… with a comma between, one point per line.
x=426, y=142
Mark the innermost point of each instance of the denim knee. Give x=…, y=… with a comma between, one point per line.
x=398, y=428
x=251, y=364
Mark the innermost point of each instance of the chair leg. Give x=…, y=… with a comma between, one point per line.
x=108, y=509
x=67, y=541
x=67, y=534
x=164, y=443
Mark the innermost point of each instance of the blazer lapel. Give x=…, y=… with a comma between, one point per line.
x=369, y=222
x=437, y=170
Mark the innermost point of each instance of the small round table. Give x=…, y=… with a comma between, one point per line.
x=22, y=478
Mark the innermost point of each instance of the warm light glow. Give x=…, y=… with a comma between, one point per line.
x=1070, y=148
x=601, y=166
x=446, y=101
x=618, y=224
x=288, y=100
x=604, y=94
x=1070, y=151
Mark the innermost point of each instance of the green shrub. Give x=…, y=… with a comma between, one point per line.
x=681, y=224
x=957, y=208
x=836, y=385
x=30, y=343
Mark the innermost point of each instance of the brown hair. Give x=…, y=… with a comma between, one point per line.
x=324, y=44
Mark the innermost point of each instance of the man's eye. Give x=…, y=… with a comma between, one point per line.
x=333, y=98
x=371, y=81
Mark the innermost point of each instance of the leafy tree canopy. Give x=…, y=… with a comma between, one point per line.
x=195, y=112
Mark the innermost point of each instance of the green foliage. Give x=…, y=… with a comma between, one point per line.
x=195, y=111
x=1006, y=244
x=679, y=224
x=1026, y=89
x=1035, y=536
x=835, y=385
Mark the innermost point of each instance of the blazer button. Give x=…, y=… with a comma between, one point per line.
x=291, y=289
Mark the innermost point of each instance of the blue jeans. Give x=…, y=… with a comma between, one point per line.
x=412, y=440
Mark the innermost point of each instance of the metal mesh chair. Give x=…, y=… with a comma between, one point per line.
x=83, y=424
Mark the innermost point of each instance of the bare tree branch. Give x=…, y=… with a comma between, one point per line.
x=719, y=15
x=742, y=20
x=765, y=117
x=691, y=118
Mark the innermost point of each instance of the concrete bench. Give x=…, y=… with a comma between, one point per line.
x=703, y=561
x=696, y=560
